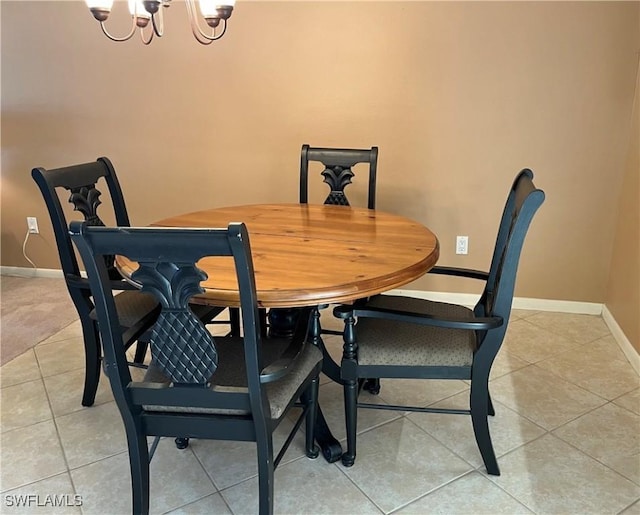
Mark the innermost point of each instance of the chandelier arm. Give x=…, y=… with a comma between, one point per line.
x=217, y=21
x=201, y=37
x=158, y=27
x=148, y=40
x=205, y=39
x=221, y=33
x=114, y=38
x=202, y=41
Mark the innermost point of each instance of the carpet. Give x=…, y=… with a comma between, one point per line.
x=31, y=310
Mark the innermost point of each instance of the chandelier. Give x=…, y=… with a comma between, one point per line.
x=150, y=12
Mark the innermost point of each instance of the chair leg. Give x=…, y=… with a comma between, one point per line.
x=264, y=322
x=181, y=442
x=372, y=386
x=351, y=382
x=141, y=348
x=139, y=463
x=141, y=351
x=234, y=321
x=92, y=354
x=479, y=418
x=311, y=399
x=351, y=420
x=264, y=444
x=490, y=409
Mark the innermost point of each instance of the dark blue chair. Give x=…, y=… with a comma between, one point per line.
x=198, y=385
x=136, y=310
x=337, y=172
x=404, y=337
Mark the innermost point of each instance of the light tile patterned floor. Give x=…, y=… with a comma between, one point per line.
x=566, y=431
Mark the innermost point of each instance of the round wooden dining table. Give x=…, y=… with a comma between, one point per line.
x=308, y=254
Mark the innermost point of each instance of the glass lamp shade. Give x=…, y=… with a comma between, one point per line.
x=213, y=8
x=105, y=5
x=136, y=8
x=100, y=8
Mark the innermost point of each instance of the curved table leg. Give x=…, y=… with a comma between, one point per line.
x=331, y=449
x=281, y=323
x=182, y=443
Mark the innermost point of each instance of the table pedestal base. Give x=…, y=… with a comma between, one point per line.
x=282, y=322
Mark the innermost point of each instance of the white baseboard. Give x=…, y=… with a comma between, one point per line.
x=17, y=271
x=562, y=306
x=624, y=343
x=466, y=299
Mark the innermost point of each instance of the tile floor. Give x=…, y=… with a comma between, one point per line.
x=566, y=432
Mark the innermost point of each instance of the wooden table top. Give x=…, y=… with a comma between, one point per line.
x=306, y=254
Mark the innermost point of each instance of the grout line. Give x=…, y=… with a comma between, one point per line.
x=55, y=425
x=634, y=503
x=4, y=492
x=337, y=465
x=546, y=432
x=435, y=489
x=582, y=451
x=570, y=442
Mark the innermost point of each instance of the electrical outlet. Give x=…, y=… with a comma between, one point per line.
x=462, y=244
x=32, y=224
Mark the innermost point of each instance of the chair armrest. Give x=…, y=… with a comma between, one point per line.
x=131, y=334
x=83, y=283
x=77, y=281
x=122, y=285
x=460, y=272
x=281, y=366
x=475, y=324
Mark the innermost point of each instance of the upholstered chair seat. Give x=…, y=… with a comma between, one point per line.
x=398, y=343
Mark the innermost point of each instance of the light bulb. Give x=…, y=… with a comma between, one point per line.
x=100, y=4
x=136, y=8
x=212, y=8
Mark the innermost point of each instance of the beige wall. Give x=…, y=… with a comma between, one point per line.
x=458, y=97
x=623, y=293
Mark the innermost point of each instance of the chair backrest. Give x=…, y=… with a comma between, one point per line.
x=81, y=183
x=181, y=347
x=523, y=201
x=337, y=172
